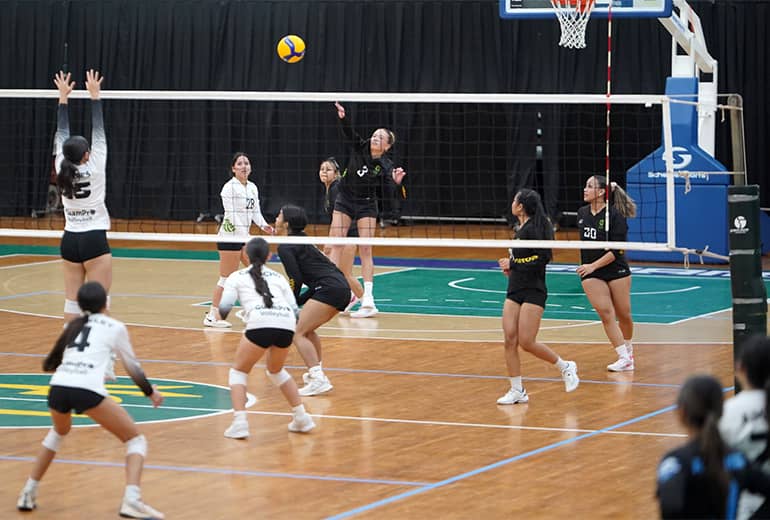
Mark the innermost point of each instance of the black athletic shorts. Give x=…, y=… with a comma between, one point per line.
x=533, y=296
x=609, y=273
x=82, y=246
x=230, y=246
x=64, y=399
x=270, y=337
x=337, y=297
x=356, y=208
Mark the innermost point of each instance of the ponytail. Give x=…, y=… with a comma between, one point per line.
x=622, y=202
x=714, y=451
x=65, y=180
x=68, y=335
x=260, y=284
x=73, y=150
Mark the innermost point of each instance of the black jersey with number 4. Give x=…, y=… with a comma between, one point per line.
x=305, y=264
x=528, y=264
x=591, y=227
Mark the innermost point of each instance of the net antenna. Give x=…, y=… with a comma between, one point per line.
x=573, y=18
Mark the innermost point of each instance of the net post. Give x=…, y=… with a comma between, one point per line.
x=737, y=139
x=748, y=287
x=668, y=156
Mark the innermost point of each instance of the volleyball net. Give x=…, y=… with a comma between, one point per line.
x=465, y=155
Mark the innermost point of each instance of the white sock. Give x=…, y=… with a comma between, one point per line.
x=298, y=410
x=630, y=348
x=239, y=415
x=133, y=493
x=622, y=351
x=516, y=383
x=561, y=364
x=316, y=372
x=368, y=291
x=31, y=484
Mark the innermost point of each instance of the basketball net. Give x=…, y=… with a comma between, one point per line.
x=573, y=17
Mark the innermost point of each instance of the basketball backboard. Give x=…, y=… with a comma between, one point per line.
x=620, y=9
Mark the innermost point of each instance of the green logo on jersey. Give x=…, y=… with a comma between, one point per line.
x=23, y=401
x=228, y=226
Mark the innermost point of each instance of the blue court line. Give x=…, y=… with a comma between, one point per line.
x=495, y=465
x=24, y=295
x=222, y=471
x=375, y=371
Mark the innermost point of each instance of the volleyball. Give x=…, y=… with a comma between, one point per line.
x=291, y=48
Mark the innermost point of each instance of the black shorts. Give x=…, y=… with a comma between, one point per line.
x=64, y=399
x=230, y=246
x=79, y=247
x=270, y=337
x=533, y=296
x=356, y=208
x=609, y=273
x=337, y=297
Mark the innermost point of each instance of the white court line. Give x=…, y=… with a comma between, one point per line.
x=31, y=264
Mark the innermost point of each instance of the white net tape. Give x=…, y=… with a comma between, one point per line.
x=573, y=17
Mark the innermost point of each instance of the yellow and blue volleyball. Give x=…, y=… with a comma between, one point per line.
x=291, y=48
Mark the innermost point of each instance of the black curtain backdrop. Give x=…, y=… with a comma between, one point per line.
x=182, y=150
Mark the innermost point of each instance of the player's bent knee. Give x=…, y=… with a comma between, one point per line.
x=221, y=281
x=237, y=377
x=71, y=307
x=279, y=378
x=137, y=446
x=52, y=440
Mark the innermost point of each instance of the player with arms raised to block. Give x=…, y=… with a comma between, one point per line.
x=269, y=310
x=81, y=358
x=604, y=274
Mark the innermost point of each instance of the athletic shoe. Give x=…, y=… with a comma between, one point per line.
x=26, y=500
x=211, y=321
x=242, y=315
x=621, y=365
x=353, y=301
x=514, y=396
x=301, y=424
x=138, y=509
x=366, y=311
x=237, y=430
x=570, y=377
x=316, y=386
x=306, y=377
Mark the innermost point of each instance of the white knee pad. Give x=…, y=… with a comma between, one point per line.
x=221, y=281
x=71, y=307
x=137, y=445
x=237, y=377
x=279, y=378
x=52, y=440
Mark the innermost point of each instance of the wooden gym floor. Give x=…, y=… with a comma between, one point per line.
x=411, y=429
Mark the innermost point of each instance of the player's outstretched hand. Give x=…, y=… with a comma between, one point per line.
x=340, y=110
x=94, y=83
x=65, y=85
x=398, y=175
x=156, y=397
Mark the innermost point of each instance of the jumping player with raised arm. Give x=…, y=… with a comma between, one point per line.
x=81, y=358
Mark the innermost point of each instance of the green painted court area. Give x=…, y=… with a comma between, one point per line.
x=23, y=400
x=479, y=292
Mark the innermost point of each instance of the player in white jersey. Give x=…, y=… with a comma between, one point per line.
x=81, y=177
x=270, y=312
x=240, y=199
x=80, y=358
x=744, y=421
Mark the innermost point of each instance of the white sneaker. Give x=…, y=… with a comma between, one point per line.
x=302, y=424
x=237, y=430
x=514, y=396
x=26, y=500
x=306, y=377
x=316, y=386
x=621, y=365
x=211, y=321
x=366, y=311
x=138, y=509
x=242, y=315
x=353, y=301
x=570, y=377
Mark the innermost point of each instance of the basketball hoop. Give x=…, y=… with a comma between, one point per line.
x=573, y=17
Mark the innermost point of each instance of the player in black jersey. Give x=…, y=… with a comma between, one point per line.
x=525, y=299
x=329, y=174
x=604, y=274
x=327, y=294
x=744, y=423
x=368, y=170
x=703, y=478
